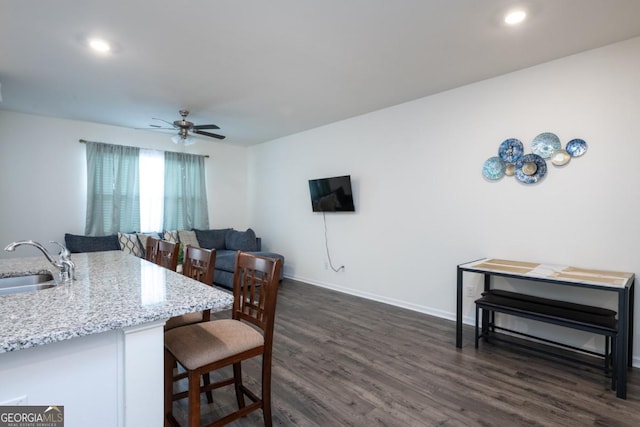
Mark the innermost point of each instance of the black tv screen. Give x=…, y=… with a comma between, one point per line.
x=331, y=194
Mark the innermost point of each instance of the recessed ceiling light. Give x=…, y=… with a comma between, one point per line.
x=99, y=45
x=515, y=17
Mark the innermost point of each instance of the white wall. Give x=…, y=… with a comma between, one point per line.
x=43, y=176
x=423, y=205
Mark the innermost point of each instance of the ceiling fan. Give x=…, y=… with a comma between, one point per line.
x=185, y=128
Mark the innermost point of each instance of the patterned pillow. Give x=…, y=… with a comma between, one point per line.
x=171, y=236
x=188, y=238
x=142, y=239
x=129, y=244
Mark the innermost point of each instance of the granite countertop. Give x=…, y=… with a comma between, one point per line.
x=112, y=290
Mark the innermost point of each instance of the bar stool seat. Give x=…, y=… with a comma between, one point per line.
x=205, y=343
x=184, y=319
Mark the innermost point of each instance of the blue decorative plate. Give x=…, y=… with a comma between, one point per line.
x=530, y=168
x=545, y=144
x=510, y=150
x=493, y=168
x=576, y=147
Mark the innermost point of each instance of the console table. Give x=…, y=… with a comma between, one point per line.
x=611, y=281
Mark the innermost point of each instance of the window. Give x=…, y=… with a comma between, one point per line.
x=131, y=189
x=151, y=190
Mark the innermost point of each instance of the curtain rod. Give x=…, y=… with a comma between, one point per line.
x=84, y=141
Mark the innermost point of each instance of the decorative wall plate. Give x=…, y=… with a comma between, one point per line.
x=576, y=147
x=510, y=169
x=493, y=168
x=545, y=144
x=560, y=158
x=510, y=150
x=530, y=168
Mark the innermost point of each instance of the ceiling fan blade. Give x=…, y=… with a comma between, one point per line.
x=154, y=127
x=213, y=135
x=169, y=123
x=212, y=126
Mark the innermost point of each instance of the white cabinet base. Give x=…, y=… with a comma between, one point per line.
x=103, y=380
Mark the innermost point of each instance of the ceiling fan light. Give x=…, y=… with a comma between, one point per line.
x=185, y=140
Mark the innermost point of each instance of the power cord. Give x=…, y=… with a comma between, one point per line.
x=326, y=244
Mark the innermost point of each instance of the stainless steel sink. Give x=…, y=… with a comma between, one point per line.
x=26, y=283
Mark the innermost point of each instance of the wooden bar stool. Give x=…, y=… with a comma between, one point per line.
x=207, y=346
x=151, y=249
x=167, y=254
x=198, y=264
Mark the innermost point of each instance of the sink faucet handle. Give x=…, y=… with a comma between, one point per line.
x=64, y=252
x=67, y=267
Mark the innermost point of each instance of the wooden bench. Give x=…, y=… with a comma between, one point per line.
x=596, y=320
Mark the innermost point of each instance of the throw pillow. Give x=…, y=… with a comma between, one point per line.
x=77, y=244
x=129, y=244
x=241, y=240
x=211, y=239
x=142, y=239
x=188, y=238
x=171, y=236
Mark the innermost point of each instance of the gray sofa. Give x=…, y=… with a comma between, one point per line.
x=226, y=242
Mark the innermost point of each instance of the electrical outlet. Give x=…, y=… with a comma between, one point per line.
x=471, y=291
x=22, y=400
x=326, y=265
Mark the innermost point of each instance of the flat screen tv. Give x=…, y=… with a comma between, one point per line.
x=331, y=194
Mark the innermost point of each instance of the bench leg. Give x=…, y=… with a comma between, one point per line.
x=607, y=355
x=493, y=321
x=487, y=316
x=614, y=371
x=477, y=337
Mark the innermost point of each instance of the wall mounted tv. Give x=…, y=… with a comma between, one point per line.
x=331, y=194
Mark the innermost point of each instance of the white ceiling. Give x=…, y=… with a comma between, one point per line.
x=264, y=69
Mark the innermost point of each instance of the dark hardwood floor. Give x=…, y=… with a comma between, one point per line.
x=340, y=360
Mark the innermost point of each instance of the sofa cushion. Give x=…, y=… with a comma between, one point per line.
x=188, y=238
x=241, y=240
x=76, y=243
x=129, y=244
x=225, y=260
x=211, y=239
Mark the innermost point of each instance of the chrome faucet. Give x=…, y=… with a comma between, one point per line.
x=64, y=264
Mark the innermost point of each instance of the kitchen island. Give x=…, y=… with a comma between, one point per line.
x=95, y=346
